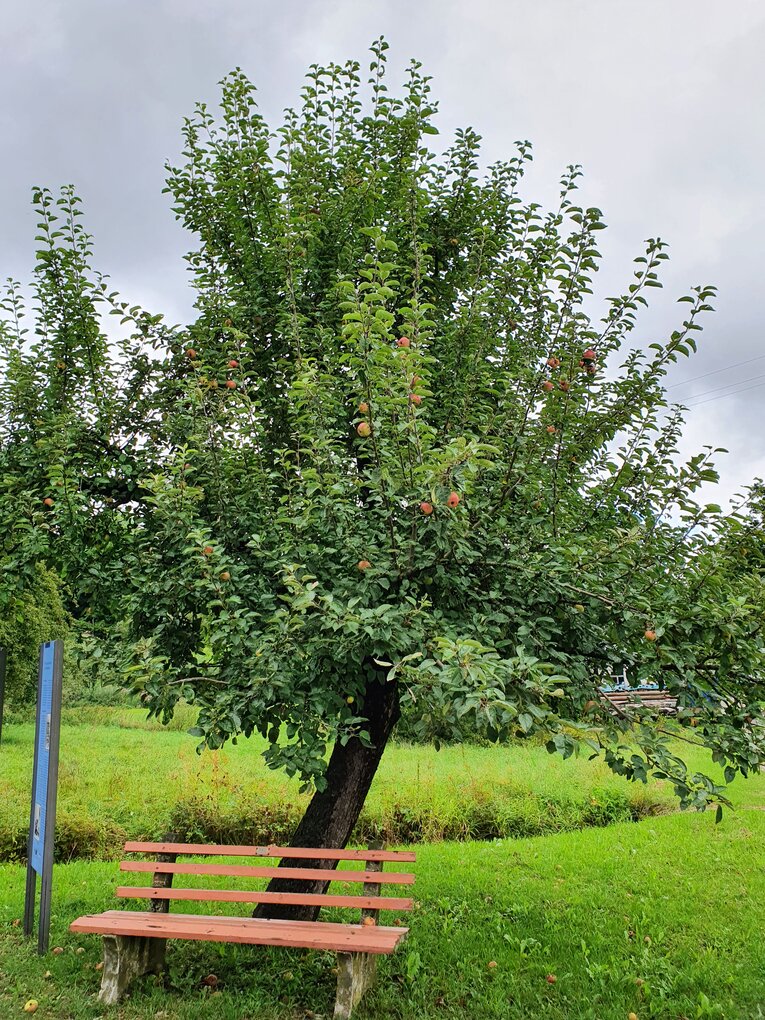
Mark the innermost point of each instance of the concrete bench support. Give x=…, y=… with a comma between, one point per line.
x=355, y=973
x=127, y=957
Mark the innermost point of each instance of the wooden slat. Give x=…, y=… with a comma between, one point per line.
x=322, y=853
x=233, y=919
x=253, y=871
x=252, y=896
x=352, y=938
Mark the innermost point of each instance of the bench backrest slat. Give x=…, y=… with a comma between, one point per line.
x=313, y=882
x=253, y=871
x=248, y=896
x=318, y=853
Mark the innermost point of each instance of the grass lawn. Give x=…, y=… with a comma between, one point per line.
x=663, y=918
x=133, y=780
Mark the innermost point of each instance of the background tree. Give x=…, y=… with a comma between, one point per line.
x=29, y=617
x=392, y=461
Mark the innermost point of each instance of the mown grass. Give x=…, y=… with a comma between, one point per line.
x=663, y=918
x=134, y=779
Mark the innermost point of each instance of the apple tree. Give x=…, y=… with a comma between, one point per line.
x=396, y=460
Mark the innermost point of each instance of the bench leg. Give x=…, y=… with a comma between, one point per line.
x=127, y=957
x=355, y=973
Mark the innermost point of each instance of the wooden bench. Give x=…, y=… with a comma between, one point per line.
x=661, y=702
x=134, y=940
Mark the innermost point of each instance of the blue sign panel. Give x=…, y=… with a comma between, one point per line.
x=43, y=757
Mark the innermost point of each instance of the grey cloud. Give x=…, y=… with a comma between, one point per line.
x=660, y=103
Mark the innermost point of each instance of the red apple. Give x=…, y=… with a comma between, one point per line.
x=191, y=353
x=427, y=508
x=547, y=386
x=48, y=501
x=565, y=385
x=453, y=499
x=230, y=384
x=553, y=362
x=224, y=575
x=364, y=429
x=650, y=635
x=589, y=354
x=364, y=564
x=551, y=429
x=415, y=398
x=363, y=407
x=233, y=363
x=403, y=341
x=208, y=550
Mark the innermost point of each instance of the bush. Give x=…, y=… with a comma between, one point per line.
x=78, y=836
x=490, y=816
x=27, y=620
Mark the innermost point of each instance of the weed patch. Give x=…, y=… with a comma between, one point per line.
x=122, y=776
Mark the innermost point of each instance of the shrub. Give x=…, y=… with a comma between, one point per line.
x=27, y=620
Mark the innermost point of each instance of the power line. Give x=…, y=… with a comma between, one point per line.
x=717, y=389
x=722, y=395
x=695, y=378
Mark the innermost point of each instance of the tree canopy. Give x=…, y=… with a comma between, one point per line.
x=396, y=460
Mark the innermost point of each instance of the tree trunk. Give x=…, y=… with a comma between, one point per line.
x=333, y=812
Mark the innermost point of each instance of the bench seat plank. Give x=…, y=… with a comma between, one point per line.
x=320, y=853
x=234, y=919
x=254, y=896
x=320, y=935
x=253, y=871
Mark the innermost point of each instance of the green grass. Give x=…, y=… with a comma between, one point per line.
x=663, y=918
x=132, y=779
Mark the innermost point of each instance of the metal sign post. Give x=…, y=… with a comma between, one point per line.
x=42, y=817
x=2, y=688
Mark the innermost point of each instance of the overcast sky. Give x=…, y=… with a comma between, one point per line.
x=660, y=100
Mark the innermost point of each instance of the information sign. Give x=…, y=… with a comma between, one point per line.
x=42, y=819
